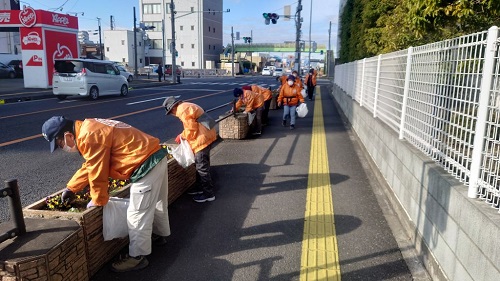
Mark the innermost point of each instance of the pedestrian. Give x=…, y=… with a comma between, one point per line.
x=290, y=97
x=159, y=70
x=298, y=81
x=267, y=95
x=254, y=103
x=311, y=82
x=200, y=139
x=114, y=149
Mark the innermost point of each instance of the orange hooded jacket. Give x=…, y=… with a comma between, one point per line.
x=313, y=78
x=290, y=95
x=195, y=133
x=251, y=100
x=266, y=93
x=110, y=149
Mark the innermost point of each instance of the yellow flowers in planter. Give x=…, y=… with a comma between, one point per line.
x=82, y=198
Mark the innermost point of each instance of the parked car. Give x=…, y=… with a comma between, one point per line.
x=129, y=76
x=18, y=67
x=267, y=71
x=168, y=69
x=278, y=72
x=151, y=68
x=7, y=71
x=88, y=78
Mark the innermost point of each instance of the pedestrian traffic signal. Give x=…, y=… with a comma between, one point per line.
x=321, y=52
x=270, y=17
x=314, y=46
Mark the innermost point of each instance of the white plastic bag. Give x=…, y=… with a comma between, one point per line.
x=251, y=116
x=114, y=218
x=302, y=110
x=304, y=93
x=183, y=154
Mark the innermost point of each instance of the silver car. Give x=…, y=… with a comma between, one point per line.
x=88, y=78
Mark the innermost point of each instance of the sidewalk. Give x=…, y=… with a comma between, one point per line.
x=255, y=229
x=12, y=90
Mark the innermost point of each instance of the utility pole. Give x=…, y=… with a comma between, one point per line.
x=310, y=42
x=251, y=52
x=135, y=46
x=100, y=40
x=329, y=36
x=298, y=23
x=172, y=13
x=232, y=52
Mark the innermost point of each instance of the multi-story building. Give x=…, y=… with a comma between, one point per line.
x=10, y=44
x=198, y=31
x=119, y=46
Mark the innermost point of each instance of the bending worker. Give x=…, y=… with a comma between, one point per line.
x=114, y=149
x=200, y=137
x=253, y=102
x=267, y=95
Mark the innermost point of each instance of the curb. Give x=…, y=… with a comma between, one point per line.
x=33, y=96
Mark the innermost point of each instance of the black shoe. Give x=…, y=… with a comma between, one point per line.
x=256, y=133
x=200, y=198
x=284, y=123
x=292, y=127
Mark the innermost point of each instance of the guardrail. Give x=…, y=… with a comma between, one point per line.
x=444, y=98
x=11, y=191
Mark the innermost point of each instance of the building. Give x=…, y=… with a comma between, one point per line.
x=198, y=32
x=10, y=43
x=119, y=46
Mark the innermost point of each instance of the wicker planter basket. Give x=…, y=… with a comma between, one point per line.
x=234, y=127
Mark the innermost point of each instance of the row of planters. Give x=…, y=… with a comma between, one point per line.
x=97, y=251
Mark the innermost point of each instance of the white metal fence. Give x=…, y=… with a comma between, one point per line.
x=444, y=98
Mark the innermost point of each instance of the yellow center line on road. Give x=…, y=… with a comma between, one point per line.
x=320, y=259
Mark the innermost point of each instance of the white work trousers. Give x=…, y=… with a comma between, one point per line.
x=148, y=209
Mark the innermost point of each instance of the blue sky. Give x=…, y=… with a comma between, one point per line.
x=245, y=16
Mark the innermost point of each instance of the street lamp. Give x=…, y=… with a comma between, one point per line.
x=100, y=40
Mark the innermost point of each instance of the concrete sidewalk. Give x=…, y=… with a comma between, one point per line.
x=254, y=230
x=13, y=90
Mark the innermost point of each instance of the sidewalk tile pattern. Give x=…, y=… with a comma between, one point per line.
x=320, y=259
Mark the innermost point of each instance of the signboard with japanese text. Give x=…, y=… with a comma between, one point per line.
x=44, y=36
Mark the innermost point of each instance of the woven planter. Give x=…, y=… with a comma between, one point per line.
x=234, y=127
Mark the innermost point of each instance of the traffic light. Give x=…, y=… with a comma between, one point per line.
x=314, y=46
x=247, y=39
x=267, y=18
x=274, y=18
x=270, y=17
x=321, y=52
x=302, y=46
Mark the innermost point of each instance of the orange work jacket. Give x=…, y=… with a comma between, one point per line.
x=313, y=77
x=195, y=133
x=251, y=100
x=266, y=93
x=110, y=149
x=290, y=95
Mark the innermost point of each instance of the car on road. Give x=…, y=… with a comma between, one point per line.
x=129, y=76
x=18, y=67
x=168, y=69
x=7, y=71
x=266, y=71
x=87, y=78
x=278, y=72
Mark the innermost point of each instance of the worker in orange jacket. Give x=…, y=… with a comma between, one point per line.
x=254, y=102
x=310, y=82
x=117, y=150
x=267, y=95
x=200, y=139
x=290, y=97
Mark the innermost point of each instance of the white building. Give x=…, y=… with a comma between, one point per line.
x=198, y=31
x=119, y=46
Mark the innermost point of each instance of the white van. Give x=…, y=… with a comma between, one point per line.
x=87, y=77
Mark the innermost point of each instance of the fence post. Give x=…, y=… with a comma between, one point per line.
x=377, y=83
x=405, y=92
x=482, y=111
x=362, y=84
